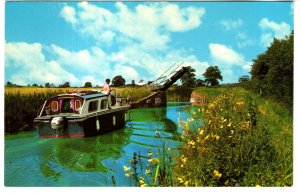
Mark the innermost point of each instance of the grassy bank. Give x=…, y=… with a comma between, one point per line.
x=245, y=140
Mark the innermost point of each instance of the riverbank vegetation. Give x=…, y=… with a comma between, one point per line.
x=244, y=140
x=238, y=139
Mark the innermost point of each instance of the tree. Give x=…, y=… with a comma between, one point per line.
x=189, y=78
x=212, y=75
x=200, y=83
x=9, y=84
x=133, y=83
x=118, y=81
x=88, y=84
x=244, y=78
x=65, y=85
x=47, y=85
x=272, y=72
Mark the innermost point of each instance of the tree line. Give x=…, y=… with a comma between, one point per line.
x=273, y=72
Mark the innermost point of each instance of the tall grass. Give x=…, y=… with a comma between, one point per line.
x=21, y=109
x=179, y=94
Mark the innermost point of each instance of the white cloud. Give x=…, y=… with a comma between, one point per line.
x=139, y=35
x=29, y=65
x=147, y=24
x=127, y=72
x=231, y=24
x=272, y=29
x=231, y=64
x=243, y=40
x=69, y=14
x=224, y=55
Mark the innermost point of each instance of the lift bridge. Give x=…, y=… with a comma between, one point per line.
x=159, y=87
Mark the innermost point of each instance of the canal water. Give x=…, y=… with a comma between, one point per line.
x=92, y=161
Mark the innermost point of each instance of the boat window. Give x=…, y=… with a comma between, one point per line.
x=77, y=105
x=54, y=106
x=93, y=106
x=66, y=105
x=103, y=104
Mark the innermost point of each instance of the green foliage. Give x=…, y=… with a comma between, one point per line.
x=179, y=94
x=212, y=75
x=189, y=78
x=233, y=147
x=272, y=72
x=244, y=78
x=200, y=83
x=21, y=109
x=88, y=84
x=153, y=169
x=118, y=81
x=65, y=85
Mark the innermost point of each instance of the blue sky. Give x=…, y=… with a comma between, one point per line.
x=77, y=42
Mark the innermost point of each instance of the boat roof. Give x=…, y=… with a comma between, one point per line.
x=83, y=94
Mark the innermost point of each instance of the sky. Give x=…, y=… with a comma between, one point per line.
x=78, y=42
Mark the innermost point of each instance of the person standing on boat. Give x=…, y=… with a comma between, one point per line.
x=106, y=88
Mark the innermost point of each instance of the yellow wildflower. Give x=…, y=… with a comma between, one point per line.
x=217, y=137
x=232, y=131
x=191, y=143
x=221, y=126
x=180, y=180
x=142, y=180
x=183, y=159
x=257, y=185
x=206, y=137
x=201, y=132
x=128, y=174
x=149, y=152
x=144, y=185
x=186, y=183
x=169, y=149
x=217, y=174
x=224, y=120
x=184, y=123
x=126, y=168
x=148, y=171
x=153, y=160
x=229, y=125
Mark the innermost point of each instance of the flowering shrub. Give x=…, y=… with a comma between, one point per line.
x=229, y=143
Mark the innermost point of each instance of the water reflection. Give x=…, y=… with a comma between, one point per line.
x=83, y=155
x=88, y=161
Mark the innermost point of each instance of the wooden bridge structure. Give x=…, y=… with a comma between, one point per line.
x=159, y=87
